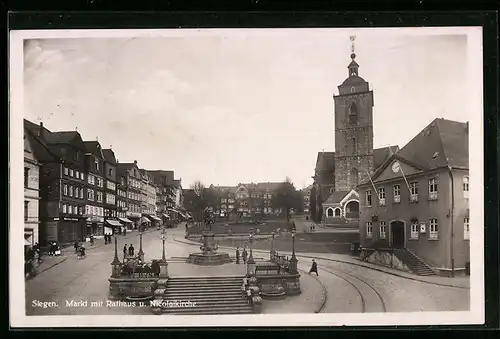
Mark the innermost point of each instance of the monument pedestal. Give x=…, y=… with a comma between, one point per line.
x=209, y=255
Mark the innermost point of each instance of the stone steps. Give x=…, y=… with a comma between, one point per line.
x=207, y=295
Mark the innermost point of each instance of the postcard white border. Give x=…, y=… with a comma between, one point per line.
x=16, y=279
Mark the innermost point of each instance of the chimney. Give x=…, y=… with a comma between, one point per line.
x=40, y=133
x=467, y=127
x=135, y=162
x=96, y=138
x=111, y=147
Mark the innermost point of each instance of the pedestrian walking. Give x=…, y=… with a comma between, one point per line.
x=131, y=250
x=244, y=255
x=125, y=231
x=76, y=245
x=124, y=252
x=237, y=255
x=314, y=268
x=91, y=240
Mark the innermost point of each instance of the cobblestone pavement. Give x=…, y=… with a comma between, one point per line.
x=86, y=280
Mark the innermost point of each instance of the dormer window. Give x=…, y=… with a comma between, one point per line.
x=353, y=89
x=96, y=161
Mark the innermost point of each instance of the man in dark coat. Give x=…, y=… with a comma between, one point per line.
x=238, y=255
x=244, y=255
x=131, y=250
x=314, y=268
x=124, y=251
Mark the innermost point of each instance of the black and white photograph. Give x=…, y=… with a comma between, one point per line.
x=246, y=177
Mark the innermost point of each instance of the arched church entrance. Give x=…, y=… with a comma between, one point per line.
x=352, y=209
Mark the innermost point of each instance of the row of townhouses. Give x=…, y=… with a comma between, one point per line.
x=75, y=188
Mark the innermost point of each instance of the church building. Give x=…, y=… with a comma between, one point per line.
x=337, y=174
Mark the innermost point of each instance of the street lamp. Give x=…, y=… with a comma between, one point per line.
x=273, y=234
x=141, y=252
x=116, y=264
x=251, y=262
x=293, y=259
x=163, y=238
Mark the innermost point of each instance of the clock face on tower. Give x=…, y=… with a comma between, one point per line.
x=395, y=167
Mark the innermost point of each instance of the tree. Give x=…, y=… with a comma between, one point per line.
x=285, y=198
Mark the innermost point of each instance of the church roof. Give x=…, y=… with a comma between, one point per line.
x=442, y=143
x=325, y=161
x=336, y=197
x=353, y=64
x=353, y=80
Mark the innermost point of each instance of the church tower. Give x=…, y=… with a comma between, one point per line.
x=353, y=129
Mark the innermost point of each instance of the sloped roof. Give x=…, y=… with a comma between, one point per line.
x=40, y=150
x=126, y=165
x=271, y=186
x=336, y=197
x=109, y=156
x=325, y=161
x=94, y=147
x=380, y=155
x=64, y=137
x=442, y=143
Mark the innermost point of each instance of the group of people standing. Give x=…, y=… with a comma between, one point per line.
x=244, y=255
x=128, y=252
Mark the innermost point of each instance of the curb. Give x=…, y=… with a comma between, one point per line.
x=49, y=267
x=357, y=264
x=325, y=292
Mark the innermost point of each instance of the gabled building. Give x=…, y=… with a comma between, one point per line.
x=418, y=201
x=110, y=190
x=62, y=183
x=94, y=161
x=148, y=198
x=130, y=176
x=306, y=198
x=168, y=195
x=31, y=193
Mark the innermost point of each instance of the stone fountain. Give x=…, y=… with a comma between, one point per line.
x=209, y=255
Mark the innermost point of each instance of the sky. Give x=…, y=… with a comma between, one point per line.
x=238, y=105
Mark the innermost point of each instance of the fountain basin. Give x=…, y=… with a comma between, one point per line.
x=209, y=259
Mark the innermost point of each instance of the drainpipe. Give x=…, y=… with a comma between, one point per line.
x=451, y=217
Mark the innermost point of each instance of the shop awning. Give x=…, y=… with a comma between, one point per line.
x=166, y=216
x=154, y=217
x=113, y=222
x=125, y=220
x=144, y=219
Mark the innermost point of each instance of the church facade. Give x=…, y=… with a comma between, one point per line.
x=338, y=174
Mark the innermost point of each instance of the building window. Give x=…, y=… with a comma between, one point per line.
x=381, y=196
x=82, y=176
x=466, y=187
x=81, y=193
x=26, y=204
x=369, y=229
x=413, y=192
x=396, y=192
x=368, y=196
x=352, y=88
x=433, y=229
x=70, y=191
x=433, y=189
x=96, y=161
x=65, y=208
x=77, y=174
x=26, y=177
x=353, y=114
x=414, y=230
x=70, y=209
x=91, y=179
x=110, y=171
x=80, y=210
x=337, y=212
x=329, y=212
x=466, y=228
x=65, y=189
x=100, y=182
x=71, y=173
x=354, y=146
x=383, y=230
x=66, y=170
x=99, y=196
x=90, y=194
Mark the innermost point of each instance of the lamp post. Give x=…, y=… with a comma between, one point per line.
x=141, y=252
x=293, y=259
x=273, y=234
x=251, y=261
x=163, y=238
x=163, y=262
x=116, y=261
